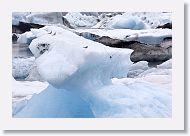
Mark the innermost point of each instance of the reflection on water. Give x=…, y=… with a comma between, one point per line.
x=20, y=50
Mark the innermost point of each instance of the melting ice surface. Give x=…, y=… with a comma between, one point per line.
x=80, y=74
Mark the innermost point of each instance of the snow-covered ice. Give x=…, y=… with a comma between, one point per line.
x=25, y=89
x=57, y=63
x=22, y=91
x=25, y=38
x=77, y=19
x=19, y=16
x=21, y=67
x=88, y=79
x=137, y=68
x=135, y=20
x=127, y=23
x=45, y=18
x=56, y=103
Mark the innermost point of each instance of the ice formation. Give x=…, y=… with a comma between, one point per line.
x=148, y=36
x=77, y=19
x=80, y=73
x=56, y=103
x=25, y=38
x=21, y=67
x=45, y=18
x=23, y=91
x=135, y=20
x=19, y=16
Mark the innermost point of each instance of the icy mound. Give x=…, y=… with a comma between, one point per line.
x=135, y=20
x=126, y=23
x=133, y=99
x=154, y=19
x=56, y=103
x=166, y=65
x=25, y=38
x=80, y=72
x=34, y=74
x=45, y=18
x=23, y=91
x=21, y=67
x=37, y=17
x=77, y=19
x=137, y=69
x=161, y=76
x=64, y=56
x=19, y=16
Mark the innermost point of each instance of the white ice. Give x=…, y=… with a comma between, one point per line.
x=25, y=38
x=21, y=67
x=80, y=73
x=135, y=20
x=22, y=91
x=19, y=16
x=76, y=19
x=45, y=18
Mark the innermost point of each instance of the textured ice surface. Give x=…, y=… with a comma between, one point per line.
x=77, y=19
x=22, y=91
x=25, y=38
x=137, y=68
x=64, y=56
x=21, y=67
x=56, y=103
x=127, y=23
x=135, y=20
x=80, y=73
x=45, y=18
x=19, y=16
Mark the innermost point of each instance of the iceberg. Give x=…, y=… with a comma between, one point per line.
x=76, y=19
x=45, y=18
x=80, y=73
x=23, y=91
x=135, y=20
x=56, y=103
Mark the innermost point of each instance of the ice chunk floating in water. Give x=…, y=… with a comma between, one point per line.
x=80, y=72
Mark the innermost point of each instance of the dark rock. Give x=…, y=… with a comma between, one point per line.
x=151, y=54
x=166, y=43
x=168, y=25
x=24, y=27
x=142, y=52
x=14, y=38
